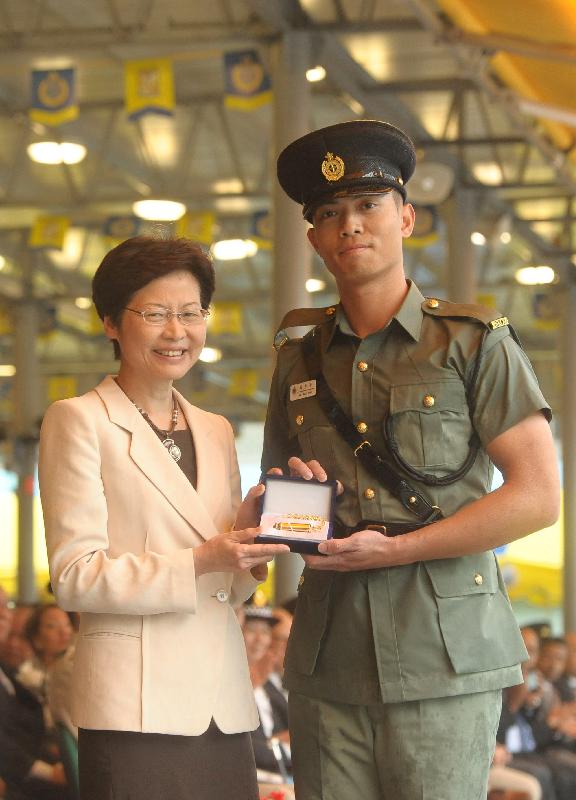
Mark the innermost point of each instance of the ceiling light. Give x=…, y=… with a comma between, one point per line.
x=478, y=238
x=232, y=249
x=210, y=354
x=159, y=210
x=573, y=260
x=7, y=370
x=315, y=285
x=2, y=263
x=317, y=73
x=535, y=276
x=354, y=105
x=56, y=152
x=505, y=237
x=83, y=302
x=488, y=172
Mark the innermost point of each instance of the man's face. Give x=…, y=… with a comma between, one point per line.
x=552, y=660
x=359, y=237
x=5, y=618
x=17, y=648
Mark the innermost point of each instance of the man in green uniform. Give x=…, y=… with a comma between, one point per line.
x=401, y=644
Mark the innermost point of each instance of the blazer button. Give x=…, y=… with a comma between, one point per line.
x=221, y=595
x=478, y=579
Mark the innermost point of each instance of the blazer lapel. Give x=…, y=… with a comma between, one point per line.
x=158, y=467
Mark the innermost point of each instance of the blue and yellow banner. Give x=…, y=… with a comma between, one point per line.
x=53, y=96
x=118, y=229
x=149, y=87
x=48, y=232
x=226, y=318
x=243, y=383
x=247, y=84
x=197, y=225
x=261, y=229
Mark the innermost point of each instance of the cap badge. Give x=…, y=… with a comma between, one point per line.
x=332, y=167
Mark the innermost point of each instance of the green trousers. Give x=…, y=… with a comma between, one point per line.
x=438, y=749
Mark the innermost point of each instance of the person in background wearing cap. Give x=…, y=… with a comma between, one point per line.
x=401, y=644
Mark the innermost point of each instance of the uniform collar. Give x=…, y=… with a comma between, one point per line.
x=409, y=315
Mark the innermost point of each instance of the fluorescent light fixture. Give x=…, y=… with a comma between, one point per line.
x=83, y=302
x=535, y=276
x=478, y=238
x=505, y=237
x=210, y=355
x=354, y=105
x=2, y=263
x=315, y=285
x=233, y=249
x=56, y=152
x=7, y=370
x=228, y=186
x=159, y=210
x=315, y=74
x=488, y=173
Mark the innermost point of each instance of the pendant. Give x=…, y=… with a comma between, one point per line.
x=172, y=448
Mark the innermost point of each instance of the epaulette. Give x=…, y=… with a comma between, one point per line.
x=443, y=308
x=301, y=317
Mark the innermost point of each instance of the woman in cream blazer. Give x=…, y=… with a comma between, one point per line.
x=139, y=550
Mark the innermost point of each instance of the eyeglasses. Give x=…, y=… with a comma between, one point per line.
x=160, y=317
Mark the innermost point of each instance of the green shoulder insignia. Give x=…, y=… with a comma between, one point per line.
x=443, y=308
x=301, y=317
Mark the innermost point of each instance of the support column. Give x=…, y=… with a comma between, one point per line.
x=292, y=252
x=461, y=282
x=26, y=413
x=569, y=455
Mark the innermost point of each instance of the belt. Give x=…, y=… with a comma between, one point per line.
x=340, y=531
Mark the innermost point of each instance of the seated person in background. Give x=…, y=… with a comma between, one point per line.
x=280, y=634
x=24, y=771
x=566, y=683
x=502, y=777
x=17, y=649
x=271, y=739
x=552, y=658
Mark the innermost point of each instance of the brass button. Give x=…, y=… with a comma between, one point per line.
x=478, y=579
x=369, y=493
x=361, y=427
x=428, y=400
x=432, y=303
x=413, y=499
x=362, y=366
x=299, y=419
x=330, y=311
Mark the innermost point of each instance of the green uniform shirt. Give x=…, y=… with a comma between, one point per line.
x=428, y=629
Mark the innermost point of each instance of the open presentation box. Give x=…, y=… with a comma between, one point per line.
x=297, y=512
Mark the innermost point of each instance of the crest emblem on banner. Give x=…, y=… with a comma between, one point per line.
x=53, y=96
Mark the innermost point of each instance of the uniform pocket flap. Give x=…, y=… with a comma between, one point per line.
x=428, y=398
x=457, y=577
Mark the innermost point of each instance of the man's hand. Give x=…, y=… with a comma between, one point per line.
x=362, y=550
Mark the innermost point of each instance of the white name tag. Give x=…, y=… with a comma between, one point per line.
x=301, y=390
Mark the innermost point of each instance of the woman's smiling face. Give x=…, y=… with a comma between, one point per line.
x=157, y=354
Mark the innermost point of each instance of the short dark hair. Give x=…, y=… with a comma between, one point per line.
x=34, y=621
x=134, y=263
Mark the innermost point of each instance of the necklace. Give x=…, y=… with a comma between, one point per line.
x=167, y=441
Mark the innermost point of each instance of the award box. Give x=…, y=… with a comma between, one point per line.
x=297, y=512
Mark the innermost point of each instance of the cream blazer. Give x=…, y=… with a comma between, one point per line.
x=159, y=649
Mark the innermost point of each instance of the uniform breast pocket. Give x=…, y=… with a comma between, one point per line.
x=430, y=423
x=315, y=435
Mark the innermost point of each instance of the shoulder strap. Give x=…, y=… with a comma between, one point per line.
x=411, y=499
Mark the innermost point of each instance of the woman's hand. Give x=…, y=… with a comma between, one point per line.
x=248, y=515
x=235, y=552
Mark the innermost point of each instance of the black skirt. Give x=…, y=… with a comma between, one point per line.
x=122, y=765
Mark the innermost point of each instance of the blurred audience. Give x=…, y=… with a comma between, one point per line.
x=27, y=770
x=271, y=741
x=566, y=683
x=17, y=649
